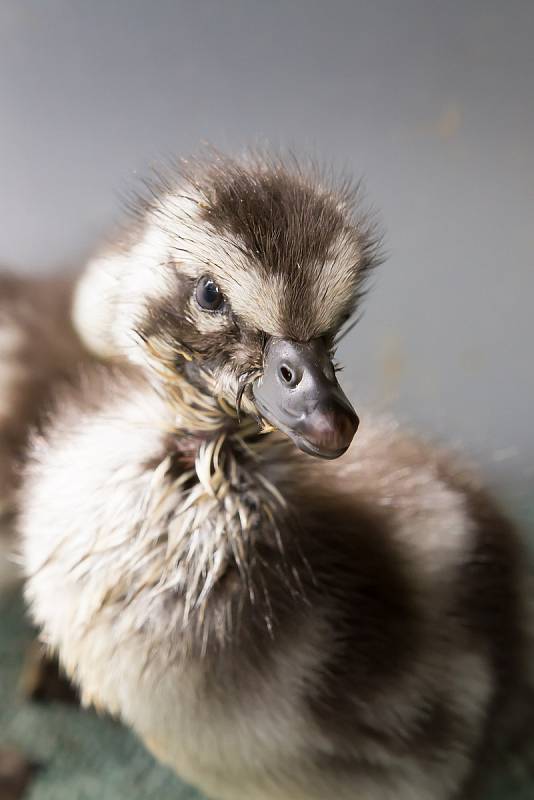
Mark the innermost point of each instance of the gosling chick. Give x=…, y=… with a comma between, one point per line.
x=273, y=626
x=39, y=349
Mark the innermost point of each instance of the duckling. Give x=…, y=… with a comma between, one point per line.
x=277, y=617
x=39, y=349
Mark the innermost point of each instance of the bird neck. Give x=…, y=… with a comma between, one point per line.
x=204, y=415
x=218, y=494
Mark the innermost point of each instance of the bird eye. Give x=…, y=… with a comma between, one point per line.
x=208, y=295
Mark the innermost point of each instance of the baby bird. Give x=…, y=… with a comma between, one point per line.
x=273, y=626
x=39, y=349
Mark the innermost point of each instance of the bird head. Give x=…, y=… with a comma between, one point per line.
x=241, y=277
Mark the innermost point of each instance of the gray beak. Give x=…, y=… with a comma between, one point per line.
x=299, y=394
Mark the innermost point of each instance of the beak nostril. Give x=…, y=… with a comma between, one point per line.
x=286, y=374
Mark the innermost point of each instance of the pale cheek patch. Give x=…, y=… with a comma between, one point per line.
x=12, y=338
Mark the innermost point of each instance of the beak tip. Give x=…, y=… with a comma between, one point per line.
x=331, y=432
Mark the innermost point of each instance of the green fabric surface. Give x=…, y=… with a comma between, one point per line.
x=87, y=757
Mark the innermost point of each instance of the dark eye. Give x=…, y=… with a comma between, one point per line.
x=208, y=295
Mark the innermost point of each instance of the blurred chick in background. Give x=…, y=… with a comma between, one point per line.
x=39, y=350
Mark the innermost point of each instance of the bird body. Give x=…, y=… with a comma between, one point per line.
x=274, y=627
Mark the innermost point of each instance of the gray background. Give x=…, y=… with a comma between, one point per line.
x=431, y=101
